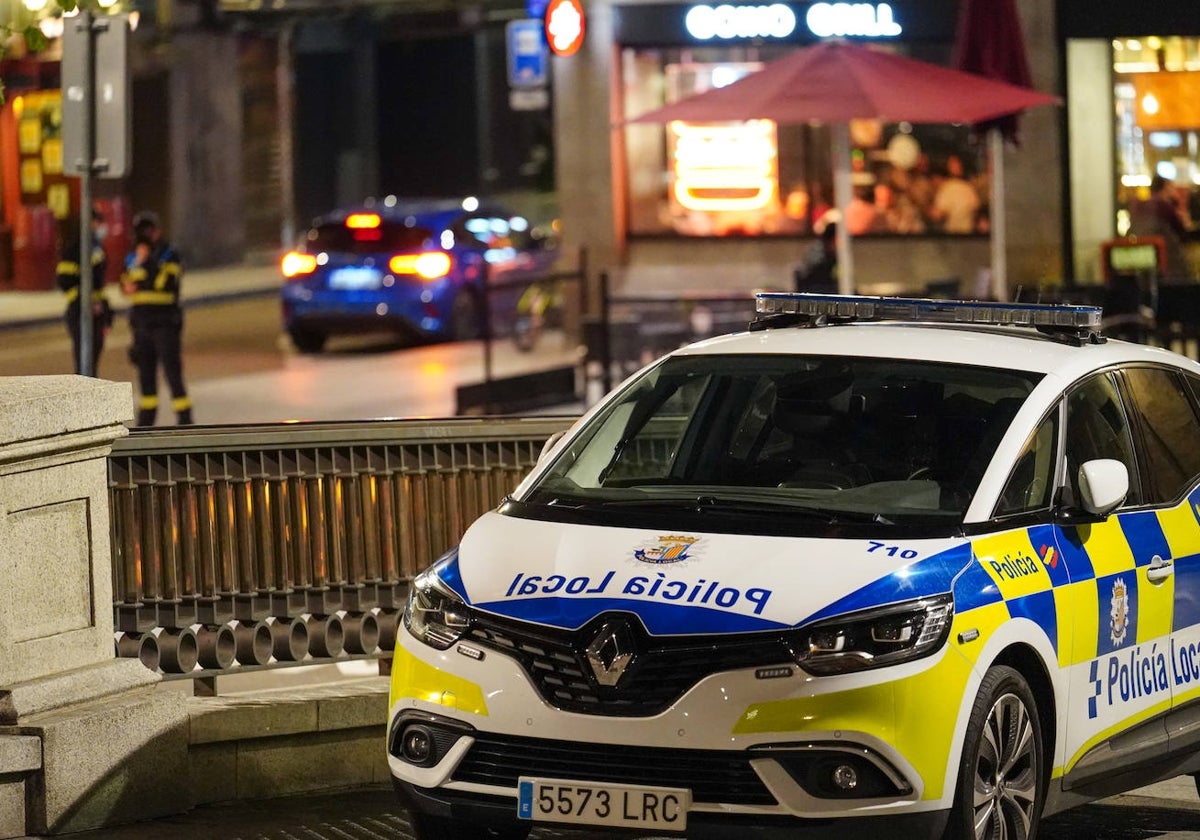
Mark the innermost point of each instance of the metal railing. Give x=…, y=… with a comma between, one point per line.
x=244, y=547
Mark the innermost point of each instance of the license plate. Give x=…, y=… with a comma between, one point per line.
x=354, y=277
x=630, y=806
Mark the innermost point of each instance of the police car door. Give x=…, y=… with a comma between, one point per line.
x=1163, y=407
x=1119, y=602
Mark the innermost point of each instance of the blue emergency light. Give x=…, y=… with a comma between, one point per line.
x=924, y=310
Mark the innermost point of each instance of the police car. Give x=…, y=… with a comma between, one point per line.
x=424, y=268
x=876, y=567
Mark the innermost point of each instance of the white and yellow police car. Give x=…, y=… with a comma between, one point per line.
x=876, y=567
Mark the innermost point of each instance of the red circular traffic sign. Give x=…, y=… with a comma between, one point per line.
x=564, y=24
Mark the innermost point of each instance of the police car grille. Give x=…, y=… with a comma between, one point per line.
x=661, y=671
x=712, y=776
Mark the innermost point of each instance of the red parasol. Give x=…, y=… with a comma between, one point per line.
x=990, y=44
x=835, y=82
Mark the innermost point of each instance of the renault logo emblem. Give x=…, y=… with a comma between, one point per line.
x=610, y=652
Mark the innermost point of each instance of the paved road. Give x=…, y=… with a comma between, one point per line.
x=241, y=369
x=373, y=814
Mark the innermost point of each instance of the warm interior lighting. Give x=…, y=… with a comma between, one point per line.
x=724, y=167
x=429, y=265
x=295, y=264
x=1150, y=103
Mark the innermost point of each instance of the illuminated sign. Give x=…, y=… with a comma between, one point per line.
x=724, y=22
x=564, y=26
x=869, y=20
x=825, y=20
x=724, y=167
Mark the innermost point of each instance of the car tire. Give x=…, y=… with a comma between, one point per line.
x=426, y=827
x=464, y=316
x=1002, y=768
x=307, y=341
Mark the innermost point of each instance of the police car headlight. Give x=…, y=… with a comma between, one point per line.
x=435, y=614
x=876, y=638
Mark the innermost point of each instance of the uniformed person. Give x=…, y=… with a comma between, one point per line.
x=67, y=276
x=151, y=281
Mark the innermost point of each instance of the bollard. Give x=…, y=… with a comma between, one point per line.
x=361, y=632
x=216, y=645
x=289, y=637
x=326, y=638
x=178, y=650
x=254, y=642
x=143, y=646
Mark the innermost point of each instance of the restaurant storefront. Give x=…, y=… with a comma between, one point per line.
x=734, y=205
x=1141, y=65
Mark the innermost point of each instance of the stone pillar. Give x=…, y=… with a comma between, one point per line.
x=85, y=740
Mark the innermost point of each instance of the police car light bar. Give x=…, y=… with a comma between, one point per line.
x=923, y=310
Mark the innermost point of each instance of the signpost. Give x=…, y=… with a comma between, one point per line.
x=96, y=132
x=528, y=65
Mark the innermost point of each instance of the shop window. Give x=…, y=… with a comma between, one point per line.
x=759, y=178
x=1157, y=98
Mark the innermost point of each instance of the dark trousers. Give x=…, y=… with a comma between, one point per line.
x=157, y=342
x=99, y=325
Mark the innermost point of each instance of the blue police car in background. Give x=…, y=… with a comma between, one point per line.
x=412, y=267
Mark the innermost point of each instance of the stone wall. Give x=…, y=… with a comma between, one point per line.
x=89, y=740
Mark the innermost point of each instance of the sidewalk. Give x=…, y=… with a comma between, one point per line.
x=204, y=285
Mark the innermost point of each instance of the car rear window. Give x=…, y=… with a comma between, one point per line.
x=389, y=236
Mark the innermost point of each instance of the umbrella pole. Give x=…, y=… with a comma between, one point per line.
x=841, y=199
x=999, y=234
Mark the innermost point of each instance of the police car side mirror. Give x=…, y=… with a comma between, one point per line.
x=1103, y=485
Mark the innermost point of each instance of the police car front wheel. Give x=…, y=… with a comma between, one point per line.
x=999, y=790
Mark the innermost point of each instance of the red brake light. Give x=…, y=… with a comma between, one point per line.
x=429, y=266
x=362, y=221
x=295, y=264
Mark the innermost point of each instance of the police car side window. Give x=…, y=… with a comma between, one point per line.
x=1170, y=433
x=1031, y=486
x=1098, y=428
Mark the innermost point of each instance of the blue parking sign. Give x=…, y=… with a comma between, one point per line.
x=527, y=53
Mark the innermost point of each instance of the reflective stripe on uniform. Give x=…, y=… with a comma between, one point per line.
x=166, y=272
x=153, y=298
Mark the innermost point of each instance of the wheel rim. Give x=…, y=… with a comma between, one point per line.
x=1006, y=773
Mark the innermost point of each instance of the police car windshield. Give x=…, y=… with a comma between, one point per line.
x=856, y=439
